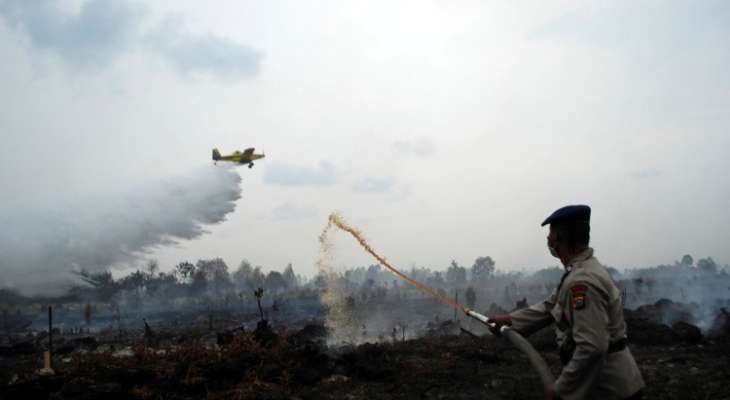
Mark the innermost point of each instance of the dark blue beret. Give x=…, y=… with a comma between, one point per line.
x=574, y=213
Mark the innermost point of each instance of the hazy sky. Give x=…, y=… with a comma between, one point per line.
x=443, y=129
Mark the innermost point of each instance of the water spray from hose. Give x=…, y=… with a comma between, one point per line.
x=337, y=221
x=537, y=362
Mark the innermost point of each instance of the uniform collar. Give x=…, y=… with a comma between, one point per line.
x=582, y=256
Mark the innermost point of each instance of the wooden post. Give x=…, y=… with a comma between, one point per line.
x=456, y=300
x=50, y=335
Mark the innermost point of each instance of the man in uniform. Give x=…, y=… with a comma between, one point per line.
x=588, y=315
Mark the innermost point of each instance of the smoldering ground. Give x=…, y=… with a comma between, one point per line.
x=44, y=239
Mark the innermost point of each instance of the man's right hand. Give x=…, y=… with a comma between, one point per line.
x=499, y=320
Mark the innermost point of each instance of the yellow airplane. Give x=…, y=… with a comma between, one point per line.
x=247, y=157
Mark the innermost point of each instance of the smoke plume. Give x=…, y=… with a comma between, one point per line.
x=41, y=245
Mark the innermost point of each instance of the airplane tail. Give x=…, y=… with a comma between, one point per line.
x=216, y=155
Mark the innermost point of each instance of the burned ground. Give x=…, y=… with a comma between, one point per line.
x=446, y=363
x=395, y=342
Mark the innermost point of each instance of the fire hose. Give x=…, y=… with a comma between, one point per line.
x=537, y=362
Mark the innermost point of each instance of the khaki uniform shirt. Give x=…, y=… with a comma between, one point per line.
x=586, y=308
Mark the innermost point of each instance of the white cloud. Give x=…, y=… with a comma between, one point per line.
x=104, y=30
x=203, y=54
x=280, y=173
x=374, y=185
x=91, y=39
x=421, y=146
x=646, y=173
x=290, y=211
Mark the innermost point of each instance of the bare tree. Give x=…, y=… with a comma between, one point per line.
x=482, y=269
x=259, y=293
x=87, y=314
x=471, y=297
x=456, y=274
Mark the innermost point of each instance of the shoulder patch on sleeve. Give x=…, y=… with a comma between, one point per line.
x=579, y=288
x=578, y=292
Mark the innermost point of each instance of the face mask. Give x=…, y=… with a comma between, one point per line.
x=553, y=251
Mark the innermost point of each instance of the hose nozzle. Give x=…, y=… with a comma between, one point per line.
x=493, y=327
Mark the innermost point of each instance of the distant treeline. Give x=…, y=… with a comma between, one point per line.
x=479, y=284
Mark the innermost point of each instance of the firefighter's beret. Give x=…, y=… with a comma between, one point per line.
x=573, y=213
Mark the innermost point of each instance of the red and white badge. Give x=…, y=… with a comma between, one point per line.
x=578, y=294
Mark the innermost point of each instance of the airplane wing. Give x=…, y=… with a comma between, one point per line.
x=247, y=154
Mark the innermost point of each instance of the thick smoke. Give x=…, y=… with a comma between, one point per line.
x=41, y=245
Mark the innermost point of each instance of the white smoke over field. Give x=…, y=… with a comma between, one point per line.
x=42, y=242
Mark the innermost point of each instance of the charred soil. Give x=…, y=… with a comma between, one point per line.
x=298, y=365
